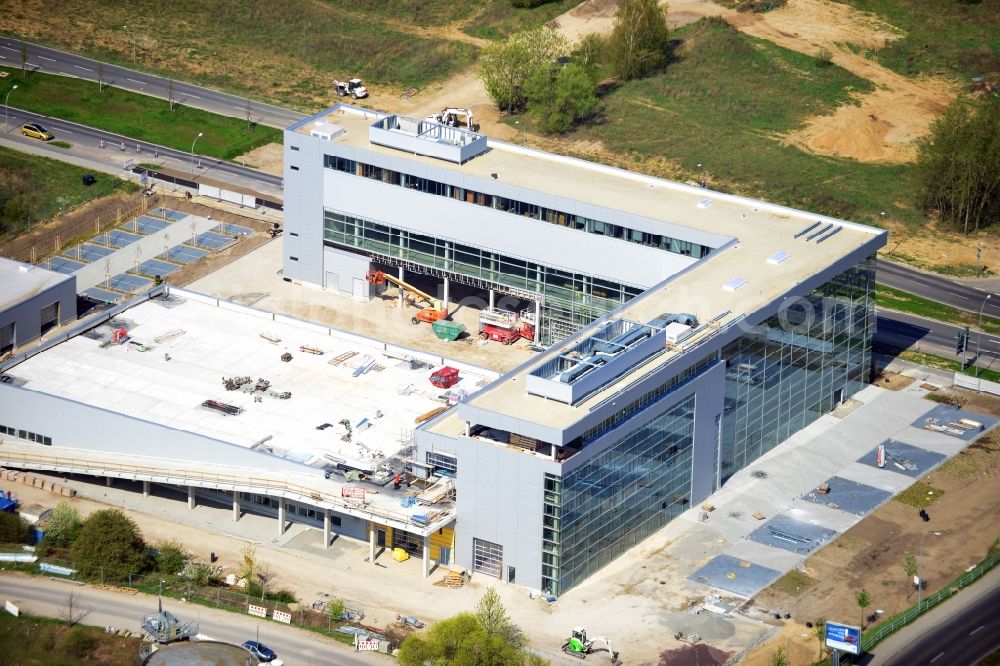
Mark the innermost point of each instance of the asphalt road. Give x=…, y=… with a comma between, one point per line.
x=295, y=647
x=897, y=329
x=52, y=61
x=937, y=288
x=961, y=639
x=76, y=133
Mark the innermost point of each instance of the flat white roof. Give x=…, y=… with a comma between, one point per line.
x=19, y=282
x=206, y=343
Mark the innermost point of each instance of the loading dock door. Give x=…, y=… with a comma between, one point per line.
x=50, y=317
x=487, y=558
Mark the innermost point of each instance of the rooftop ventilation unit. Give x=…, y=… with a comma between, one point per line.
x=734, y=284
x=778, y=257
x=676, y=332
x=326, y=131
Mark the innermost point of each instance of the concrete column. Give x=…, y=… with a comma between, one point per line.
x=192, y=502
x=145, y=484
x=427, y=556
x=538, y=321
x=236, y=506
x=371, y=542
x=445, y=301
x=492, y=294
x=281, y=516
x=326, y=528
x=402, y=273
x=107, y=481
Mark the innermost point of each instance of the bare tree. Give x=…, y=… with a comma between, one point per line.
x=170, y=93
x=100, y=77
x=249, y=116
x=72, y=612
x=24, y=60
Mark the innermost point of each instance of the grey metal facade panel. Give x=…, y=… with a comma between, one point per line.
x=499, y=499
x=303, y=208
x=499, y=188
x=521, y=237
x=348, y=267
x=26, y=315
x=75, y=425
x=709, y=404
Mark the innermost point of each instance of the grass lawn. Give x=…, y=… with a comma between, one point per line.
x=932, y=361
x=920, y=495
x=794, y=583
x=139, y=116
x=499, y=18
x=38, y=641
x=897, y=299
x=944, y=36
x=724, y=102
x=34, y=189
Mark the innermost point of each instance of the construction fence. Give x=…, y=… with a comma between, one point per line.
x=221, y=596
x=874, y=636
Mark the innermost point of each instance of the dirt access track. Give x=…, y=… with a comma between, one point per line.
x=963, y=525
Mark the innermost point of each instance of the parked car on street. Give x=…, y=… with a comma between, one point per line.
x=260, y=651
x=36, y=131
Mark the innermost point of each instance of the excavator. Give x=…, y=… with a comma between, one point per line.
x=434, y=313
x=580, y=646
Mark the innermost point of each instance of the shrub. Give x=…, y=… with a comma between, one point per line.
x=170, y=557
x=110, y=541
x=62, y=526
x=14, y=528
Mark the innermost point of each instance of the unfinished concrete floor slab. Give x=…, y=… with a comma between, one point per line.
x=958, y=423
x=739, y=577
x=850, y=496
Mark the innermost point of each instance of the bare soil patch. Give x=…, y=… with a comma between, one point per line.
x=269, y=158
x=695, y=655
x=892, y=381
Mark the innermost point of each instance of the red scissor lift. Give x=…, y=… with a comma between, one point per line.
x=506, y=327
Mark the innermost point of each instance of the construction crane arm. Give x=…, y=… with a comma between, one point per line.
x=408, y=287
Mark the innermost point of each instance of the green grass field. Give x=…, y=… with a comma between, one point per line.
x=896, y=299
x=724, y=102
x=939, y=37
x=139, y=116
x=499, y=18
x=34, y=189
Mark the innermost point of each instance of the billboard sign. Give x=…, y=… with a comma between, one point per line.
x=843, y=637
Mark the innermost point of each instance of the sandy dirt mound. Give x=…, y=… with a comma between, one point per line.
x=884, y=124
x=696, y=655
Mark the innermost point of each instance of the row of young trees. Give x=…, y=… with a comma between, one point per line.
x=537, y=70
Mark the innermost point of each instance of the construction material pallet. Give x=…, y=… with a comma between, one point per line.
x=337, y=360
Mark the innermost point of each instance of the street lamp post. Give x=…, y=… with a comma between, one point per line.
x=200, y=134
x=979, y=334
x=920, y=567
x=6, y=107
x=132, y=35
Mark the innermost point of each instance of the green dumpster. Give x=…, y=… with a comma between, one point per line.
x=448, y=330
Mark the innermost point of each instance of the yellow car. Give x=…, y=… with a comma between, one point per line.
x=36, y=131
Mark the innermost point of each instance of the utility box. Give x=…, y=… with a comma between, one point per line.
x=446, y=377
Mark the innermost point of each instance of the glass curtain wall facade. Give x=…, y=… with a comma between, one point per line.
x=570, y=300
x=797, y=366
x=609, y=504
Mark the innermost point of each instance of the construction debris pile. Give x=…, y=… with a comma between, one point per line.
x=247, y=385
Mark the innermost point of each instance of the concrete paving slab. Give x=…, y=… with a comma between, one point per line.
x=729, y=573
x=903, y=458
x=789, y=534
x=851, y=496
x=958, y=423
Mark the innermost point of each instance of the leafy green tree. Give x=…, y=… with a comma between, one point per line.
x=495, y=621
x=14, y=528
x=62, y=527
x=504, y=67
x=336, y=608
x=639, y=38
x=170, y=557
x=458, y=641
x=819, y=630
x=779, y=658
x=559, y=96
x=910, y=566
x=591, y=51
x=864, y=600
x=112, y=541
x=958, y=165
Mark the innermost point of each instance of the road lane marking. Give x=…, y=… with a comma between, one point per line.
x=63, y=129
x=193, y=96
x=84, y=68
x=966, y=297
x=47, y=58
x=979, y=628
x=135, y=81
x=937, y=657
